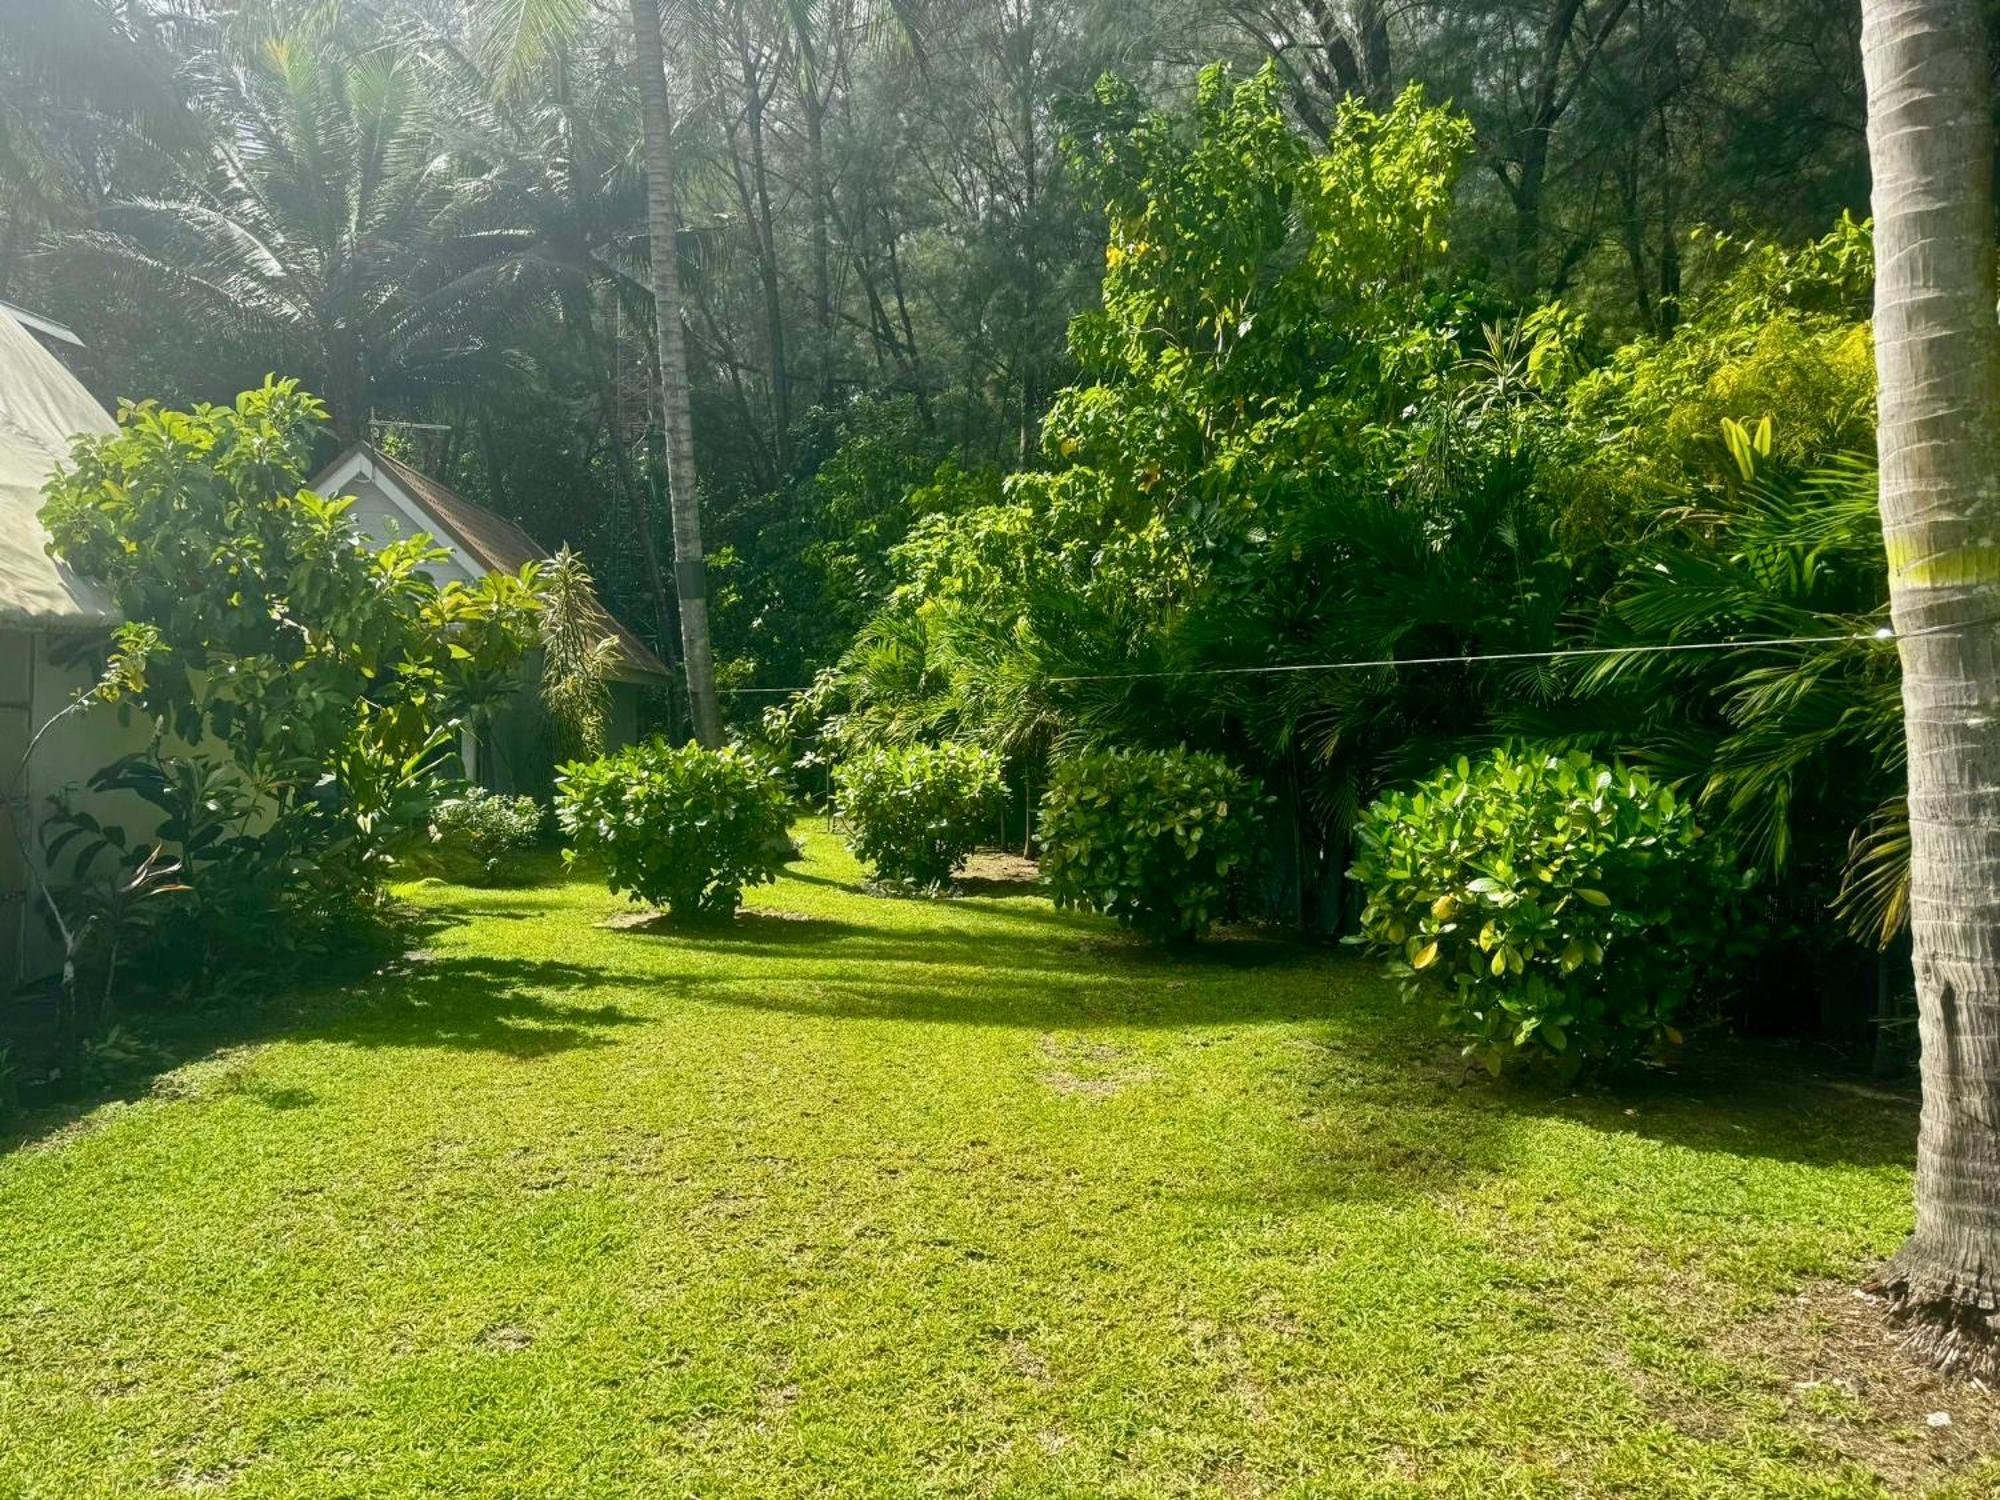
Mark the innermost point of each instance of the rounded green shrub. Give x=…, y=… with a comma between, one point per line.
x=477, y=834
x=1559, y=908
x=684, y=828
x=915, y=811
x=1157, y=839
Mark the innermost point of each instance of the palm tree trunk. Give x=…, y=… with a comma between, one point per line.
x=1937, y=347
x=690, y=572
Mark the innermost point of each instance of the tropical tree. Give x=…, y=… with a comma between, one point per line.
x=327, y=225
x=305, y=693
x=82, y=85
x=649, y=73
x=549, y=124
x=1930, y=140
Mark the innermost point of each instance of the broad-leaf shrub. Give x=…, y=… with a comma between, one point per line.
x=479, y=833
x=915, y=811
x=1562, y=909
x=1157, y=839
x=685, y=828
x=306, y=691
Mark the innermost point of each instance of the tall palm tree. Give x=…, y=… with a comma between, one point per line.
x=82, y=83
x=326, y=224
x=1930, y=143
x=690, y=571
x=520, y=34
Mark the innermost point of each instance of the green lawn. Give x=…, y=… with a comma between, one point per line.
x=891, y=1198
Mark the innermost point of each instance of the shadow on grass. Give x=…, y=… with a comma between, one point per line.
x=472, y=1004
x=989, y=973
x=1385, y=1107
x=750, y=928
x=465, y=1003
x=967, y=980
x=1749, y=1099
x=806, y=877
x=977, y=886
x=1386, y=1114
x=988, y=897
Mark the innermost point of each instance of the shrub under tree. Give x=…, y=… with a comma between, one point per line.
x=1157, y=839
x=306, y=675
x=915, y=811
x=477, y=833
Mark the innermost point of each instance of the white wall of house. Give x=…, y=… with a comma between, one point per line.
x=510, y=751
x=379, y=518
x=39, y=679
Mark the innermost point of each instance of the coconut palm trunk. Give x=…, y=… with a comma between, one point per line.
x=1930, y=141
x=690, y=572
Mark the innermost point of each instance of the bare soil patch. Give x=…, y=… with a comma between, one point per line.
x=1090, y=1069
x=1847, y=1380
x=994, y=872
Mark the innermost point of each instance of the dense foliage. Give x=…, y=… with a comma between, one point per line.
x=431, y=211
x=915, y=811
x=684, y=828
x=1049, y=411
x=1305, y=438
x=1554, y=907
x=479, y=836
x=1164, y=841
x=304, y=690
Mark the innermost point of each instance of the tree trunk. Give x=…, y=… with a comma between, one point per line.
x=690, y=571
x=909, y=329
x=1553, y=93
x=820, y=193
x=757, y=209
x=1938, y=360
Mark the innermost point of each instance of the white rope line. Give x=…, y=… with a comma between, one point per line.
x=1882, y=636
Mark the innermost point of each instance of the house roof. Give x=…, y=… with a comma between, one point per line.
x=42, y=406
x=484, y=542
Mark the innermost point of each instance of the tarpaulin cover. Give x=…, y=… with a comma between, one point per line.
x=42, y=406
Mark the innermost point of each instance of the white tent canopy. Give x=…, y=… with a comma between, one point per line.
x=42, y=406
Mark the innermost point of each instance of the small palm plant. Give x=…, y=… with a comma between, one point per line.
x=1774, y=741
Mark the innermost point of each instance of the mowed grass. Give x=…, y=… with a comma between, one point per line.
x=892, y=1198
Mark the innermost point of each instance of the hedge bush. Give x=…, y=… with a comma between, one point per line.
x=1560, y=908
x=915, y=811
x=1156, y=839
x=685, y=828
x=477, y=834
